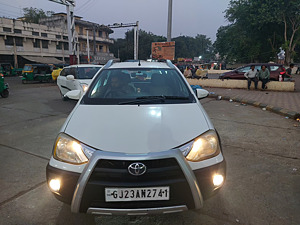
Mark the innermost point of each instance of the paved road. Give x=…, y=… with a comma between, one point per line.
x=261, y=149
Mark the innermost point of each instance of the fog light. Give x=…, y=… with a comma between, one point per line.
x=218, y=180
x=54, y=184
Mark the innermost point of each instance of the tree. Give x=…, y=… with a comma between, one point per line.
x=186, y=47
x=33, y=15
x=262, y=26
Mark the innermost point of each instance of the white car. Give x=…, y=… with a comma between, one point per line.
x=76, y=77
x=138, y=142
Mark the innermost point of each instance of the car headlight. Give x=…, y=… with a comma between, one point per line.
x=84, y=87
x=203, y=147
x=69, y=150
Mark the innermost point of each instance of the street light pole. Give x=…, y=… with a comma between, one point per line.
x=70, y=4
x=88, y=45
x=135, y=33
x=169, y=21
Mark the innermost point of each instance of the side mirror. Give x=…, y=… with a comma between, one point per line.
x=202, y=93
x=75, y=94
x=70, y=77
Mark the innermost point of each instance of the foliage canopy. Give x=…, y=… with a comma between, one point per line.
x=258, y=28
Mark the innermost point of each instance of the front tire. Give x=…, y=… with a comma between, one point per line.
x=5, y=93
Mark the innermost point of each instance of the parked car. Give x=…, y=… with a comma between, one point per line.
x=76, y=77
x=238, y=73
x=36, y=72
x=136, y=146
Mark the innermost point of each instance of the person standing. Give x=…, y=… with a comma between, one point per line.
x=264, y=76
x=251, y=75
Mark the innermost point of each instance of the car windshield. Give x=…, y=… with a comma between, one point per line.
x=87, y=72
x=138, y=86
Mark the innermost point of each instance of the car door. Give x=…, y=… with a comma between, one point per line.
x=62, y=80
x=71, y=83
x=240, y=72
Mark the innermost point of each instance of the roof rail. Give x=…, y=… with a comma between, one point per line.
x=108, y=64
x=170, y=64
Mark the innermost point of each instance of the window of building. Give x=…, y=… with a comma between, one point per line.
x=35, y=33
x=83, y=47
x=65, y=37
x=58, y=36
x=44, y=44
x=9, y=41
x=59, y=46
x=100, y=48
x=81, y=30
x=17, y=31
x=36, y=44
x=19, y=41
x=66, y=46
x=44, y=34
x=100, y=33
x=6, y=29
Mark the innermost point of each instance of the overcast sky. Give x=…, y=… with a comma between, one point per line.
x=190, y=17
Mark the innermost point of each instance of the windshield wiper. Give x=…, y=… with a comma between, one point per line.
x=148, y=99
x=144, y=99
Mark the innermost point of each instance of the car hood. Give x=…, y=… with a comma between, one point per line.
x=137, y=129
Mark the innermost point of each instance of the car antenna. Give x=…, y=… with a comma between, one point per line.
x=139, y=63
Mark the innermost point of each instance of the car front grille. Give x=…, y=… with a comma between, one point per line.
x=114, y=173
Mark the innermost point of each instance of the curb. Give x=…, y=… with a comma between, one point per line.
x=278, y=110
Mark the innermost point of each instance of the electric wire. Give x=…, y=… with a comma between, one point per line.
x=84, y=7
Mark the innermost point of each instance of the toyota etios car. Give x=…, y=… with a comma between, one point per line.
x=137, y=142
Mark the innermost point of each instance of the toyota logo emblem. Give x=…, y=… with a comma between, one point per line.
x=137, y=169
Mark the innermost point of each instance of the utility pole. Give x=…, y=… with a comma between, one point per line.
x=88, y=45
x=70, y=4
x=169, y=22
x=135, y=38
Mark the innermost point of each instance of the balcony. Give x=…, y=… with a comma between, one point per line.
x=99, y=39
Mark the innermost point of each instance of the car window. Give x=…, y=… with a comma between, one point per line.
x=258, y=68
x=87, y=72
x=72, y=71
x=63, y=72
x=118, y=84
x=274, y=68
x=243, y=69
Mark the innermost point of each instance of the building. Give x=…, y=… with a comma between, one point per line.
x=47, y=42
x=99, y=40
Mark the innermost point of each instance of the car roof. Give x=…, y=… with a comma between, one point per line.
x=260, y=64
x=140, y=64
x=84, y=65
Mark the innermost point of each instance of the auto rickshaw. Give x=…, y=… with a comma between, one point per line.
x=56, y=70
x=7, y=70
x=36, y=72
x=3, y=87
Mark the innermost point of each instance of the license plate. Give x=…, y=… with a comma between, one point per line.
x=136, y=194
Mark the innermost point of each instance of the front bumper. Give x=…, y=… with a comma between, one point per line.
x=85, y=191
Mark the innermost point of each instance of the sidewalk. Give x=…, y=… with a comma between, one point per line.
x=284, y=103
